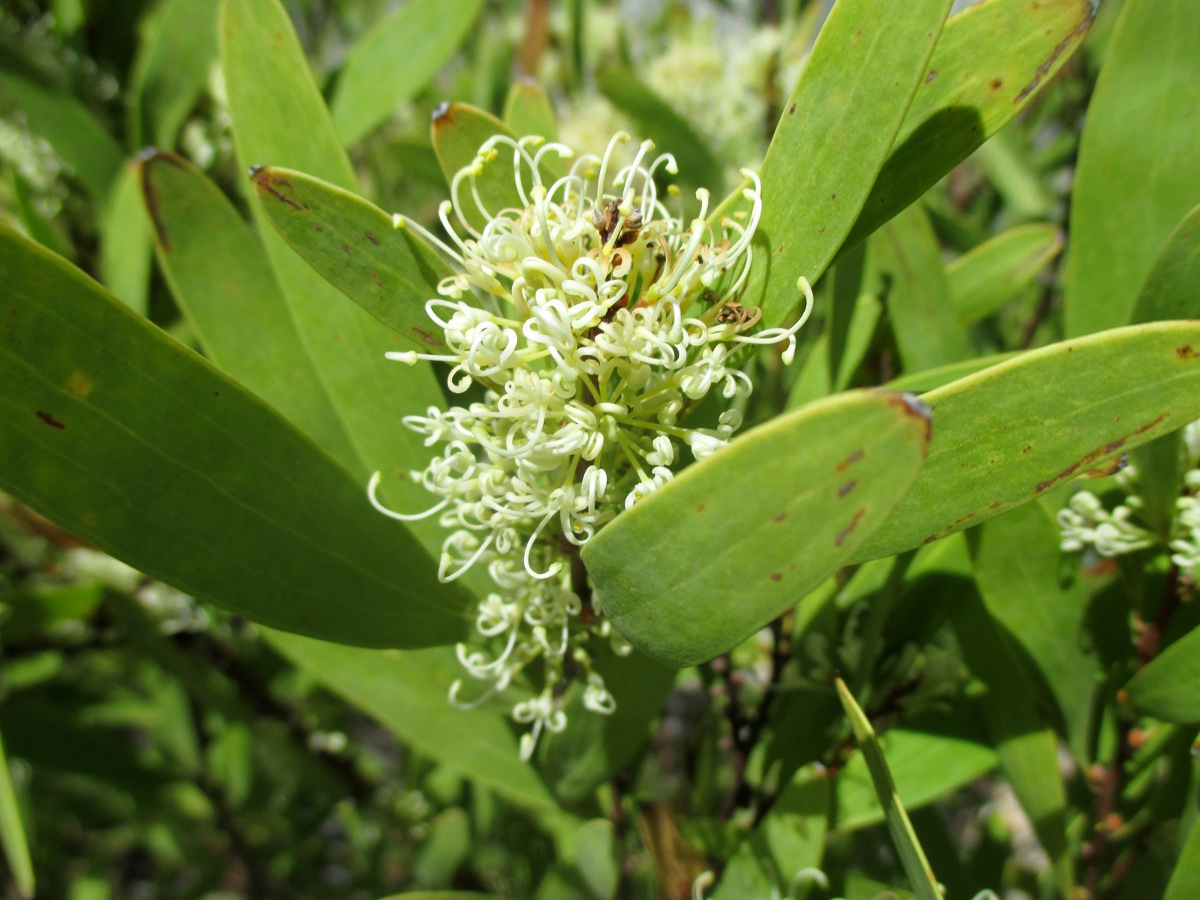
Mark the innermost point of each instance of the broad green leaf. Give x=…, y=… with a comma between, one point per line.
x=407, y=691
x=458, y=131
x=236, y=309
x=75, y=134
x=394, y=60
x=927, y=758
x=389, y=272
x=1021, y=733
x=659, y=122
x=527, y=110
x=1169, y=291
x=272, y=99
x=1008, y=434
x=1169, y=686
x=12, y=832
x=125, y=243
x=445, y=849
x=767, y=519
x=991, y=60
x=1185, y=880
x=1137, y=174
x=1046, y=608
x=907, y=262
x=132, y=442
x=172, y=70
x=984, y=279
x=833, y=137
x=912, y=857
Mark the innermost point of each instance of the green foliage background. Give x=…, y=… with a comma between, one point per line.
x=998, y=210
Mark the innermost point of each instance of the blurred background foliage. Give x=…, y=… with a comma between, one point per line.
x=161, y=748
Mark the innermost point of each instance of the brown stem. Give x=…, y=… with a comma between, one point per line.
x=537, y=35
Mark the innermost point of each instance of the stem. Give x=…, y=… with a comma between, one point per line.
x=537, y=35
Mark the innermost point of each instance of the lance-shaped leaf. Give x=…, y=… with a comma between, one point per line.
x=907, y=262
x=12, y=832
x=833, y=137
x=134, y=443
x=984, y=279
x=272, y=99
x=236, y=309
x=407, y=692
x=991, y=60
x=527, y=110
x=1169, y=291
x=1169, y=686
x=396, y=59
x=390, y=272
x=1138, y=172
x=1012, y=432
x=125, y=245
x=912, y=857
x=766, y=520
x=171, y=70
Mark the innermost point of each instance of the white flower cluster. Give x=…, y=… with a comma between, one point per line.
x=1086, y=523
x=587, y=318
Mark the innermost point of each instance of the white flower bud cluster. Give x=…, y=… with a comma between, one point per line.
x=591, y=318
x=1086, y=523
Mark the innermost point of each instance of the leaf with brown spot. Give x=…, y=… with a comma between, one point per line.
x=1005, y=435
x=775, y=497
x=389, y=272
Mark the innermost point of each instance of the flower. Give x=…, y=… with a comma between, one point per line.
x=587, y=320
x=1085, y=522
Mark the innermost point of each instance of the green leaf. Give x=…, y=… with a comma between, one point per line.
x=1019, y=731
x=1046, y=608
x=389, y=272
x=833, y=137
x=928, y=758
x=527, y=110
x=132, y=442
x=394, y=60
x=991, y=274
x=458, y=131
x=1169, y=686
x=408, y=693
x=658, y=121
x=1185, y=880
x=172, y=69
x=912, y=857
x=1008, y=434
x=125, y=245
x=236, y=309
x=272, y=98
x=75, y=134
x=766, y=519
x=1137, y=174
x=991, y=60
x=907, y=261
x=12, y=832
x=1169, y=291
